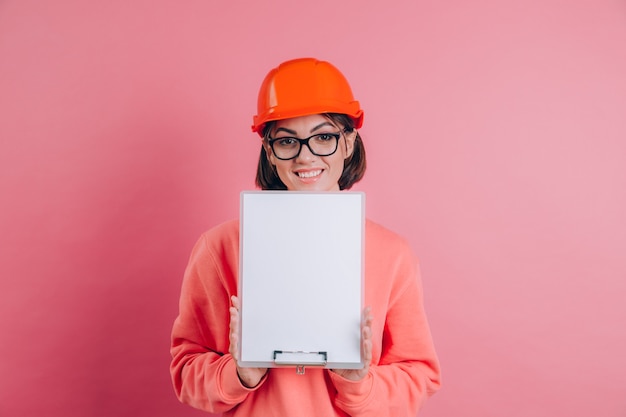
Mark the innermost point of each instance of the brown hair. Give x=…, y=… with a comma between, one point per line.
x=353, y=167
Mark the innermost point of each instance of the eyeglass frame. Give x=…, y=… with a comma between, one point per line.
x=305, y=141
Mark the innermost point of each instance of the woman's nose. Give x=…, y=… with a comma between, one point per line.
x=305, y=153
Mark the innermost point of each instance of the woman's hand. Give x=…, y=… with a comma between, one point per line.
x=250, y=377
x=366, y=349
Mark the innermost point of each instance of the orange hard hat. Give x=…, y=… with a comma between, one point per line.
x=301, y=87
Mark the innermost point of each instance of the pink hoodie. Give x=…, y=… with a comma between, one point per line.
x=404, y=370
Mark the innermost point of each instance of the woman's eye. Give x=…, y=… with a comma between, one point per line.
x=324, y=137
x=286, y=142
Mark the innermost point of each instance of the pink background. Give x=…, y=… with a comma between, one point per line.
x=496, y=133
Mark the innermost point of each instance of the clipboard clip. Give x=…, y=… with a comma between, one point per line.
x=300, y=359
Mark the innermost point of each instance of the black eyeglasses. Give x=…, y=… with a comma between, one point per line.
x=322, y=144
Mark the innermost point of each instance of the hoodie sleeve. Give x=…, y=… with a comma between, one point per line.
x=203, y=372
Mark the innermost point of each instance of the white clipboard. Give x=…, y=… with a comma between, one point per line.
x=301, y=279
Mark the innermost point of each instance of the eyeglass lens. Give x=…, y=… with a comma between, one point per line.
x=323, y=144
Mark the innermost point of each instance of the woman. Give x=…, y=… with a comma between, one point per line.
x=308, y=122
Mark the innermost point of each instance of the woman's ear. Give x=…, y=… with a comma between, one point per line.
x=269, y=153
x=350, y=139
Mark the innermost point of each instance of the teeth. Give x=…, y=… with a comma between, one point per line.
x=309, y=174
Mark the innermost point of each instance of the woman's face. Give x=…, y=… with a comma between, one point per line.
x=309, y=172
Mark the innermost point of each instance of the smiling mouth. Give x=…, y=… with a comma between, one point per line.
x=309, y=174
